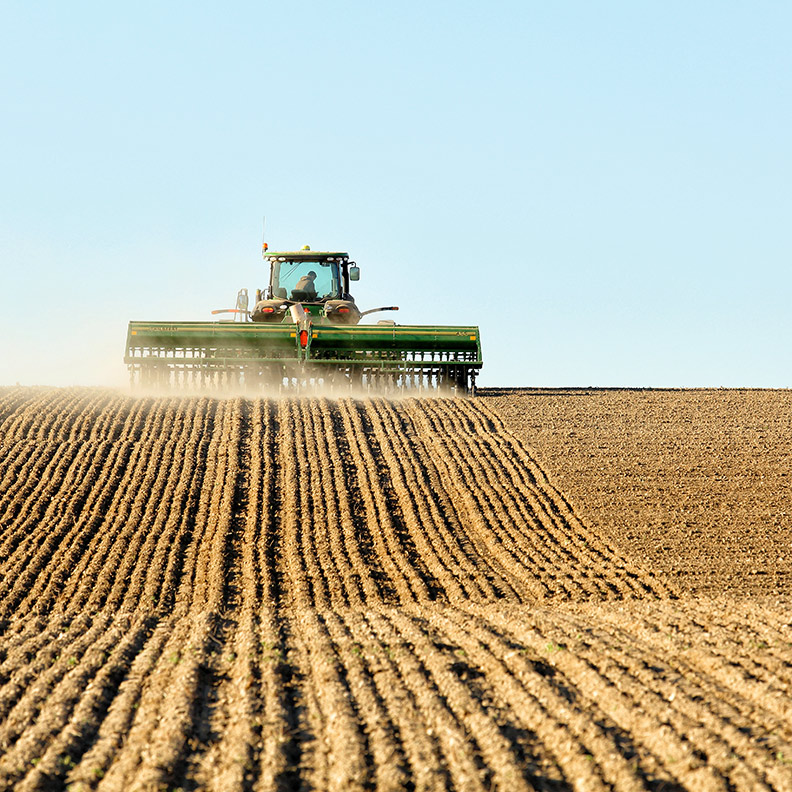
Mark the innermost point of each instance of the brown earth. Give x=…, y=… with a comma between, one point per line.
x=355, y=594
x=694, y=483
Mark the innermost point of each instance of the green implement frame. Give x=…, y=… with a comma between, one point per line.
x=385, y=356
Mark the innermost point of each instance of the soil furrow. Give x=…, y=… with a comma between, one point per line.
x=119, y=574
x=66, y=547
x=530, y=474
x=422, y=751
x=46, y=408
x=361, y=535
x=337, y=520
x=27, y=660
x=158, y=527
x=683, y=747
x=21, y=464
x=70, y=717
x=440, y=556
x=36, y=691
x=11, y=399
x=431, y=489
x=579, y=739
x=532, y=528
x=306, y=585
x=49, y=534
x=359, y=584
x=108, y=573
x=281, y=738
x=320, y=503
x=722, y=722
x=112, y=735
x=211, y=588
x=491, y=528
x=386, y=752
x=30, y=494
x=597, y=558
x=340, y=746
x=233, y=710
x=355, y=594
x=443, y=720
x=163, y=721
x=397, y=565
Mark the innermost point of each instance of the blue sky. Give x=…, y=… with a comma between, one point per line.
x=604, y=188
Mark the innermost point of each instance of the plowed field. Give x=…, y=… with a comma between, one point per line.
x=349, y=595
x=695, y=483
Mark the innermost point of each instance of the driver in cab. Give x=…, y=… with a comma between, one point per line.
x=306, y=284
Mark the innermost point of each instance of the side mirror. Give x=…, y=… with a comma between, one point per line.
x=354, y=273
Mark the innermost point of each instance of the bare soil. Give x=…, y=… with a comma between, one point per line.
x=305, y=594
x=696, y=484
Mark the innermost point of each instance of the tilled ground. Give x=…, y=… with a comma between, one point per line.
x=696, y=484
x=313, y=594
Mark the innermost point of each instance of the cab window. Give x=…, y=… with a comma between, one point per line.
x=291, y=276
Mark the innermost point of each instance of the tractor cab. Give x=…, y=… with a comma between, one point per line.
x=318, y=281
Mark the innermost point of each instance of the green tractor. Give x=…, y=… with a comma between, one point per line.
x=304, y=331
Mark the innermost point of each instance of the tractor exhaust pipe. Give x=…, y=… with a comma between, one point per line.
x=384, y=308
